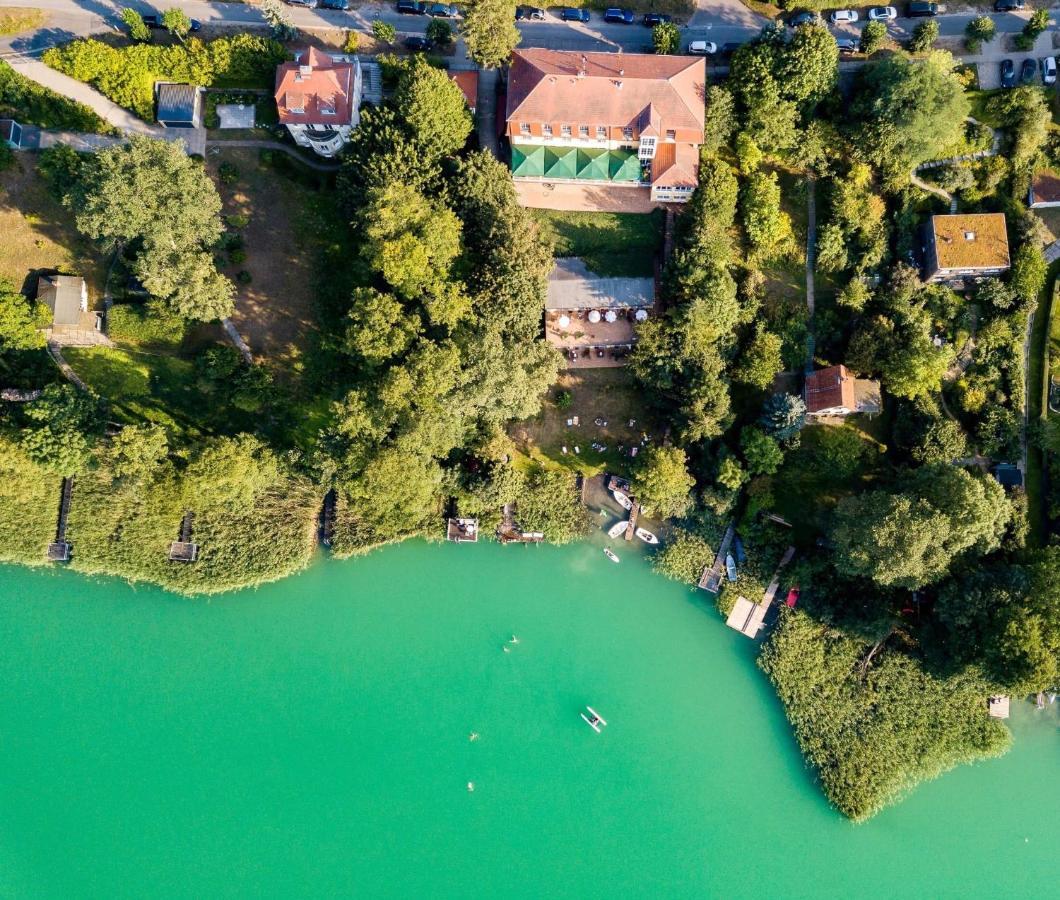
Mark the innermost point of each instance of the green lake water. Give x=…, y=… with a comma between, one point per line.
x=311, y=739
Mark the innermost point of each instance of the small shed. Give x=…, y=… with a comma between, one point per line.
x=11, y=133
x=65, y=295
x=178, y=105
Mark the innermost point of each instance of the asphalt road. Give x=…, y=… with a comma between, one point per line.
x=716, y=20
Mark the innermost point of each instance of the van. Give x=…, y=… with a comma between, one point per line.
x=920, y=10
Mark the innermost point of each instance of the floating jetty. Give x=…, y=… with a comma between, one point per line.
x=184, y=549
x=59, y=549
x=710, y=580
x=462, y=531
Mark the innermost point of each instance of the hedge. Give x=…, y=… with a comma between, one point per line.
x=30, y=103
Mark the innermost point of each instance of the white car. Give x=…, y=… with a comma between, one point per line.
x=702, y=48
x=883, y=13
x=841, y=16
x=1049, y=70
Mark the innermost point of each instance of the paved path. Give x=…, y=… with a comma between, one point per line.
x=68, y=373
x=275, y=145
x=934, y=189
x=486, y=111
x=1052, y=252
x=1026, y=410
x=811, y=257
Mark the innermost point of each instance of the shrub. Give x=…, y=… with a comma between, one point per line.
x=237, y=256
x=924, y=36
x=352, y=42
x=873, y=37
x=564, y=399
x=238, y=221
x=384, y=31
x=228, y=173
x=440, y=31
x=7, y=157
x=144, y=324
x=979, y=31
x=243, y=276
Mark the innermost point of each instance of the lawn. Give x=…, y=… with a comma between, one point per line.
x=612, y=244
x=784, y=308
x=608, y=394
x=14, y=19
x=39, y=233
x=980, y=101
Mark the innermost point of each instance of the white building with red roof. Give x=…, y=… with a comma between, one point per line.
x=318, y=97
x=619, y=119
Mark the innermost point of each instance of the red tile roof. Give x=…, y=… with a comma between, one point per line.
x=468, y=83
x=830, y=388
x=614, y=89
x=675, y=165
x=304, y=90
x=1046, y=187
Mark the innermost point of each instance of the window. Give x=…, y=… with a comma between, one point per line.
x=564, y=130
x=647, y=148
x=546, y=130
x=524, y=128
x=601, y=132
x=627, y=133
x=583, y=131
x=671, y=135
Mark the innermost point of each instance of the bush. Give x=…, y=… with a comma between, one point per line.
x=440, y=31
x=32, y=104
x=237, y=221
x=873, y=37
x=228, y=173
x=243, y=276
x=352, y=42
x=135, y=323
x=924, y=36
x=564, y=399
x=384, y=31
x=979, y=31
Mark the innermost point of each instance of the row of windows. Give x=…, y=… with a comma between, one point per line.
x=583, y=131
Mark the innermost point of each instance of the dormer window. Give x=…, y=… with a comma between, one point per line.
x=327, y=106
x=524, y=128
x=564, y=130
x=627, y=134
x=583, y=131
x=296, y=103
x=601, y=132
x=546, y=130
x=671, y=135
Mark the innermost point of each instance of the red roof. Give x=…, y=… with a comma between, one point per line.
x=830, y=388
x=619, y=90
x=468, y=83
x=675, y=165
x=315, y=91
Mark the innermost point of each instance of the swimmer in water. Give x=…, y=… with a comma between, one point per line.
x=470, y=786
x=473, y=736
x=514, y=640
x=507, y=649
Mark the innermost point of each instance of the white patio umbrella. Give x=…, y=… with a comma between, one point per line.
x=564, y=322
x=641, y=315
x=610, y=315
x=594, y=316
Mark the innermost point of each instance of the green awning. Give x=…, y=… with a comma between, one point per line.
x=560, y=162
x=592, y=165
x=528, y=160
x=624, y=166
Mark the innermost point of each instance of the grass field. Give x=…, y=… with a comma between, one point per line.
x=612, y=244
x=14, y=19
x=39, y=234
x=608, y=394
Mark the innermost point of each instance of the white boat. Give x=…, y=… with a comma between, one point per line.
x=730, y=566
x=623, y=499
x=594, y=720
x=617, y=530
x=610, y=554
x=646, y=536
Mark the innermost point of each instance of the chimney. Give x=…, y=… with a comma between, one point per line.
x=621, y=73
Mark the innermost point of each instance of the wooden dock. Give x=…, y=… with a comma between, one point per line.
x=710, y=580
x=511, y=532
x=749, y=618
x=184, y=550
x=462, y=531
x=631, y=524
x=326, y=529
x=59, y=549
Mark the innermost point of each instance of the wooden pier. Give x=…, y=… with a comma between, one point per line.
x=631, y=525
x=710, y=580
x=511, y=532
x=59, y=549
x=749, y=618
x=184, y=550
x=326, y=523
x=462, y=531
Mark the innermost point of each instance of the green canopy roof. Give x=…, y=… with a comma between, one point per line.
x=560, y=162
x=592, y=165
x=624, y=166
x=528, y=160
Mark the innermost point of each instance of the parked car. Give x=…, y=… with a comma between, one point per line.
x=847, y=45
x=920, y=10
x=1049, y=70
x=417, y=44
x=804, y=18
x=411, y=8
x=1008, y=5
x=529, y=14
x=1029, y=71
x=702, y=48
x=308, y=4
x=570, y=14
x=1008, y=73
x=153, y=21
x=653, y=19
x=883, y=14
x=442, y=11
x=335, y=4
x=843, y=16
x=615, y=15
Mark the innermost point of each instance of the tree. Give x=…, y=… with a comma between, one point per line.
x=906, y=111
x=230, y=472
x=187, y=282
x=762, y=454
x=808, y=65
x=21, y=321
x=854, y=295
x=275, y=14
x=924, y=36
x=381, y=151
x=440, y=32
x=384, y=32
x=683, y=556
x=662, y=483
x=943, y=441
x=1026, y=115
x=1029, y=270
x=783, y=416
x=136, y=452
x=410, y=240
x=767, y=226
x=761, y=359
x=138, y=29
x=873, y=37
x=489, y=32
x=979, y=31
x=434, y=109
x=379, y=327
x=748, y=155
x=731, y=474
x=549, y=503
x=177, y=23
x=719, y=120
x=666, y=38
x=63, y=426
x=910, y=538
